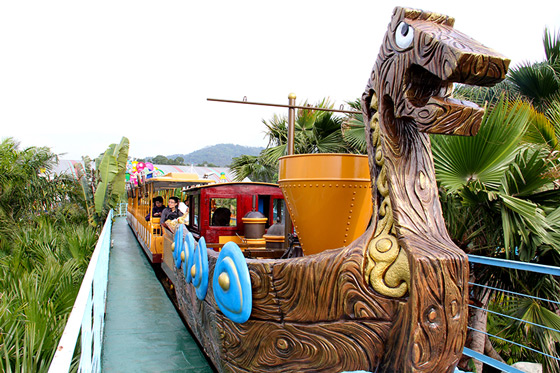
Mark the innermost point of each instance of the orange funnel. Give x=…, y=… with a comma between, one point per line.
x=328, y=196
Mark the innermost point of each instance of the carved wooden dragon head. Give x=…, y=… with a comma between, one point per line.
x=409, y=254
x=422, y=55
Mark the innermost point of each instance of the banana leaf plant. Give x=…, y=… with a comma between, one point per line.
x=103, y=186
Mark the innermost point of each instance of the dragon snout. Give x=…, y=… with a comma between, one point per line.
x=464, y=60
x=481, y=69
x=448, y=57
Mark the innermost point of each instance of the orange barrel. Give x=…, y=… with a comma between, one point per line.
x=328, y=197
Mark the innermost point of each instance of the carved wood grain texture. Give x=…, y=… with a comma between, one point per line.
x=429, y=334
x=202, y=320
x=311, y=314
x=328, y=287
x=265, y=303
x=292, y=347
x=437, y=305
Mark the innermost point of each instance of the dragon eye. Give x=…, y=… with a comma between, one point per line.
x=404, y=35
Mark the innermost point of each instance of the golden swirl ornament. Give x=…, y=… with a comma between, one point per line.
x=386, y=266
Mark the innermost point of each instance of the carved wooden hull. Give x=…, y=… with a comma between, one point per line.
x=317, y=313
x=312, y=314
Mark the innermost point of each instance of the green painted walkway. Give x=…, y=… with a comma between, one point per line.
x=143, y=332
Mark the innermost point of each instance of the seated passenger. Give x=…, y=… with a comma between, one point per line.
x=183, y=207
x=157, y=208
x=221, y=217
x=171, y=212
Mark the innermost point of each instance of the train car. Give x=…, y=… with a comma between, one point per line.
x=216, y=211
x=140, y=204
x=209, y=204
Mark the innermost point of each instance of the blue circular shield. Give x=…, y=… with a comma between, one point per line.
x=233, y=294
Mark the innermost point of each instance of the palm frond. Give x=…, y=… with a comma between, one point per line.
x=485, y=95
x=459, y=160
x=354, y=134
x=254, y=168
x=545, y=339
x=553, y=113
x=527, y=174
x=541, y=130
x=353, y=129
x=332, y=143
x=551, y=46
x=271, y=155
x=525, y=217
x=537, y=82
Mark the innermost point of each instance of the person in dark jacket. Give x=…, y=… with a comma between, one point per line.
x=157, y=208
x=170, y=212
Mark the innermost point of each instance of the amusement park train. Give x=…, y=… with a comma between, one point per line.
x=235, y=285
x=381, y=286
x=219, y=212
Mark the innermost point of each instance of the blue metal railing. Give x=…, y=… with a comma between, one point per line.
x=510, y=264
x=88, y=314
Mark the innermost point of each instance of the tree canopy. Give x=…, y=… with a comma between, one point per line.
x=316, y=131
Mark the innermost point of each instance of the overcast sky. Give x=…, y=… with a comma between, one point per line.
x=76, y=76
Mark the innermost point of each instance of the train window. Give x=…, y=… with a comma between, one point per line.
x=223, y=212
x=278, y=210
x=194, y=210
x=265, y=208
x=264, y=205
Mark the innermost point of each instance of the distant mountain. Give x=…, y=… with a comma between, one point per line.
x=220, y=154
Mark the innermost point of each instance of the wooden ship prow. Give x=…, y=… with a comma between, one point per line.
x=395, y=298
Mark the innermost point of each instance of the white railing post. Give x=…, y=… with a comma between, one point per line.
x=85, y=358
x=88, y=313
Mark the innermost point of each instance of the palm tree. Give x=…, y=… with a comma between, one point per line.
x=39, y=282
x=45, y=246
x=353, y=131
x=28, y=187
x=315, y=132
x=540, y=82
x=499, y=199
x=21, y=184
x=250, y=166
